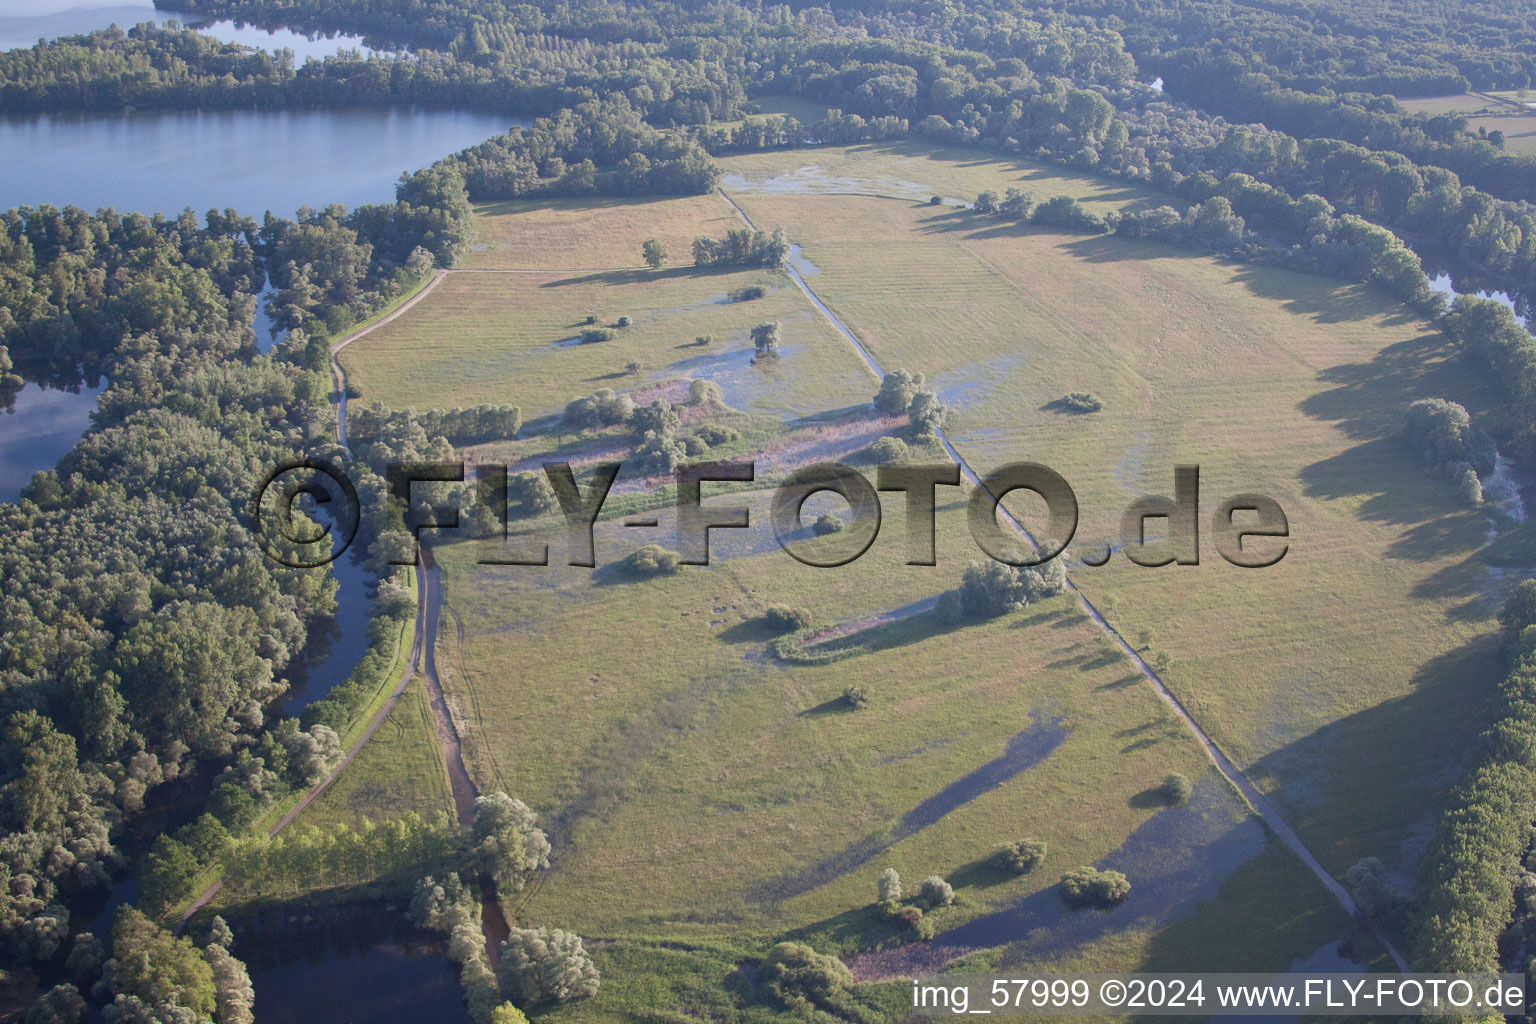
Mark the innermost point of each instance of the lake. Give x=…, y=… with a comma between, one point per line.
x=252, y=160
x=167, y=160
x=26, y=21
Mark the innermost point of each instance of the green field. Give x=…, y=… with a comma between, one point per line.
x=701, y=792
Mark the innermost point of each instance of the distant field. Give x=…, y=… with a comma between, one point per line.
x=918, y=170
x=1519, y=128
x=1326, y=674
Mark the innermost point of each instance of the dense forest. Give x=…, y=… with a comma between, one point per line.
x=147, y=640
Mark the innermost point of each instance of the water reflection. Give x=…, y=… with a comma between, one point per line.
x=37, y=426
x=29, y=21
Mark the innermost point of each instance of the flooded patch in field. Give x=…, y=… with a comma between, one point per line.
x=1132, y=465
x=801, y=262
x=1174, y=860
x=745, y=381
x=970, y=384
x=813, y=179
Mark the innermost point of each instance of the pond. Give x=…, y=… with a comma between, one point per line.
x=37, y=426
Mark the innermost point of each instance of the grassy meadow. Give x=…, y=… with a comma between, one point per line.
x=1326, y=675
x=706, y=798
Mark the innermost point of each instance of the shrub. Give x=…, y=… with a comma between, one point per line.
x=693, y=445
x=988, y=589
x=887, y=450
x=1176, y=789
x=625, y=321
x=747, y=294
x=658, y=417
x=531, y=494
x=856, y=696
x=660, y=452
x=653, y=560
x=704, y=339
x=714, y=436
x=888, y=885
x=827, y=524
x=704, y=392
x=591, y=318
x=935, y=201
x=546, y=964
x=631, y=367
x=935, y=892
x=801, y=978
x=787, y=619
x=593, y=335
x=1019, y=858
x=1089, y=887
x=1081, y=401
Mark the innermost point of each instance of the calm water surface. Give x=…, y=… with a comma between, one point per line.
x=24, y=22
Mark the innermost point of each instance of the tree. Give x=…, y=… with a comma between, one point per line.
x=927, y=413
x=655, y=253
x=896, y=392
x=935, y=892
x=1518, y=610
x=1371, y=887
x=705, y=392
x=506, y=1013
x=855, y=697
x=1019, y=858
x=765, y=339
x=986, y=202
x=506, y=841
x=1089, y=887
x=61, y=1004
x=152, y=966
x=531, y=494
x=888, y=885
x=45, y=775
x=632, y=368
x=539, y=965
x=167, y=874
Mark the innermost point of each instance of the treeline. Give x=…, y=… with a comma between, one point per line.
x=461, y=427
x=1474, y=864
x=169, y=67
x=1375, y=122
x=599, y=147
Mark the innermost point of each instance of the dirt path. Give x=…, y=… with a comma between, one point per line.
x=373, y=726
x=339, y=376
x=1262, y=808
